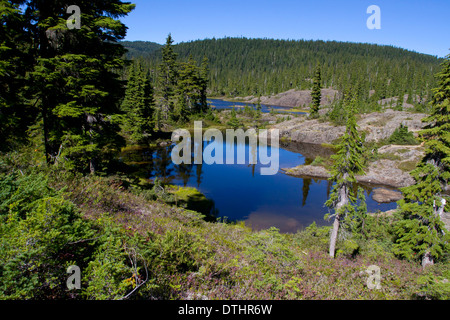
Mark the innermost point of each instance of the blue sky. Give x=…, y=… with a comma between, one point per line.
x=422, y=26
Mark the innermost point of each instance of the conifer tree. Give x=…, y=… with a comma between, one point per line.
x=410, y=99
x=421, y=233
x=189, y=88
x=75, y=79
x=204, y=80
x=348, y=162
x=167, y=78
x=234, y=121
x=138, y=105
x=16, y=113
x=258, y=104
x=316, y=94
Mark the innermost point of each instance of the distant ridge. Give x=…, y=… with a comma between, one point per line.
x=141, y=48
x=243, y=67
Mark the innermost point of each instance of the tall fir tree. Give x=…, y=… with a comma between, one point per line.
x=16, y=109
x=138, y=105
x=167, y=78
x=204, y=82
x=316, y=93
x=421, y=232
x=348, y=162
x=189, y=88
x=76, y=81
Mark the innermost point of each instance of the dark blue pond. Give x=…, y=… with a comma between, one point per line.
x=240, y=192
x=221, y=104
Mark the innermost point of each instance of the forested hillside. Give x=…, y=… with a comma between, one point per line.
x=141, y=48
x=241, y=66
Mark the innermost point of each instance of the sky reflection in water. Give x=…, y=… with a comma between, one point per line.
x=241, y=193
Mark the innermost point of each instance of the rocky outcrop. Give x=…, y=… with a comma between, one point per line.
x=385, y=172
x=404, y=153
x=377, y=126
x=292, y=98
x=382, y=195
x=381, y=173
x=309, y=131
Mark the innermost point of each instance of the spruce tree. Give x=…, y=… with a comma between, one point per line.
x=138, y=105
x=258, y=105
x=421, y=232
x=75, y=79
x=189, y=87
x=348, y=162
x=316, y=94
x=167, y=78
x=16, y=112
x=204, y=81
x=234, y=121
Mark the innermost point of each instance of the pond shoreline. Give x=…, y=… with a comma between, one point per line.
x=241, y=193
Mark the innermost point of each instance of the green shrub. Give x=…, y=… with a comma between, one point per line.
x=318, y=161
x=117, y=266
x=268, y=242
x=177, y=251
x=402, y=136
x=36, y=250
x=348, y=247
x=337, y=114
x=435, y=284
x=313, y=237
x=234, y=121
x=23, y=191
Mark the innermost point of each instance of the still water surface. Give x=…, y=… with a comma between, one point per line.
x=240, y=192
x=221, y=104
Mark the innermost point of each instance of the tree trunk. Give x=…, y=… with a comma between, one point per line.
x=342, y=201
x=91, y=166
x=90, y=119
x=440, y=211
x=334, y=235
x=46, y=133
x=427, y=260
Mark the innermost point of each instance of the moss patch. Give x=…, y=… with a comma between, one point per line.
x=191, y=199
x=407, y=166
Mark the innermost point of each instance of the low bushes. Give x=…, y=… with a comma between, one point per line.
x=128, y=246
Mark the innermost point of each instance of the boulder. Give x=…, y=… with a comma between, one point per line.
x=309, y=171
x=382, y=195
x=385, y=172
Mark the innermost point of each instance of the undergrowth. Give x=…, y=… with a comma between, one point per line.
x=135, y=245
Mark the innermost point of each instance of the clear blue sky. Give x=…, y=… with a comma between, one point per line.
x=422, y=26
